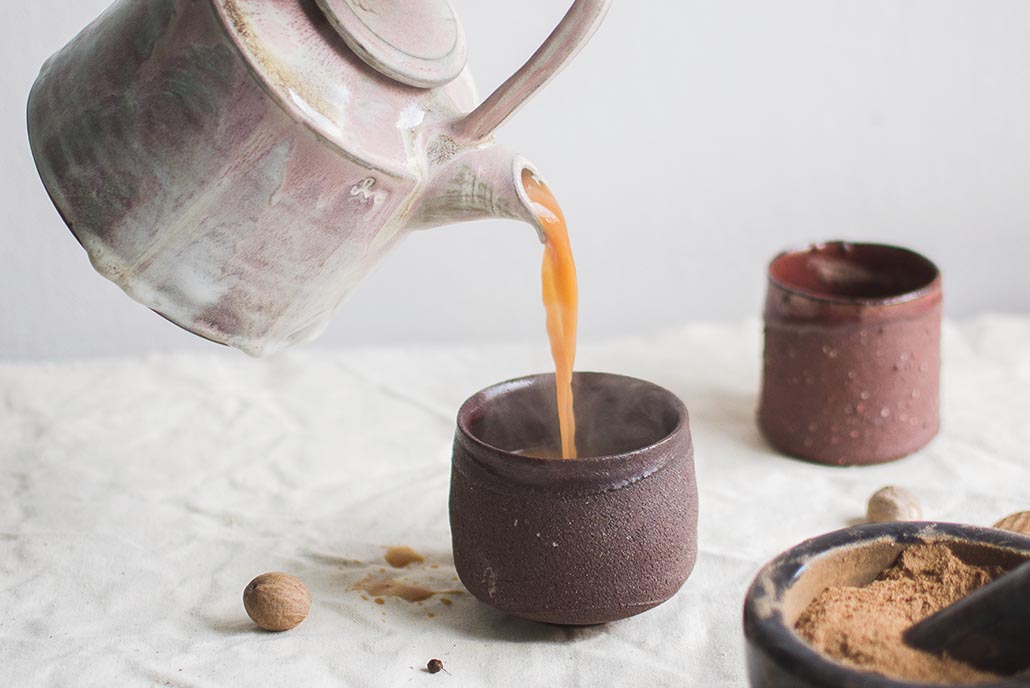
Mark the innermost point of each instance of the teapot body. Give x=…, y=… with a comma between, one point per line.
x=238, y=208
x=236, y=167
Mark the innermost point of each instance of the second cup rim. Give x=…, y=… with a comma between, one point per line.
x=893, y=300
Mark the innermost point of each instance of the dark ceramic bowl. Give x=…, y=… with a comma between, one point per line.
x=778, y=658
x=852, y=353
x=581, y=541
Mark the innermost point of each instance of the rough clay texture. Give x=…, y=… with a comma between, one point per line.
x=862, y=627
x=576, y=560
x=603, y=540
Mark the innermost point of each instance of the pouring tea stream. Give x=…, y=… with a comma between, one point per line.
x=239, y=165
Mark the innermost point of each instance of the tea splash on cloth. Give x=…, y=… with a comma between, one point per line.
x=862, y=626
x=400, y=557
x=388, y=587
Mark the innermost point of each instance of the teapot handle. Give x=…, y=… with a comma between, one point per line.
x=575, y=29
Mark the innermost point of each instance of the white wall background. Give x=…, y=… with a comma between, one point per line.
x=689, y=142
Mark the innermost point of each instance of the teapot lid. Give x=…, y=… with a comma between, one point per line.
x=416, y=42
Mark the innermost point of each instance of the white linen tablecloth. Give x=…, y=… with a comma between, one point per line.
x=139, y=496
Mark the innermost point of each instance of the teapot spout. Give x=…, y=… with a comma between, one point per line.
x=479, y=183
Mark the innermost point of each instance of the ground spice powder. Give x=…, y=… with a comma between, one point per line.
x=862, y=627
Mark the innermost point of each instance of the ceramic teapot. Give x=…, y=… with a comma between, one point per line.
x=239, y=165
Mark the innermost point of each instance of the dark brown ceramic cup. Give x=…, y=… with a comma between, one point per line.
x=852, y=353
x=578, y=541
x=777, y=657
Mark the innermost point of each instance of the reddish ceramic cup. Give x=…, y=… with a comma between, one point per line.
x=852, y=353
x=578, y=541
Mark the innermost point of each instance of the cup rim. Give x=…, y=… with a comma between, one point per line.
x=507, y=386
x=912, y=295
x=765, y=629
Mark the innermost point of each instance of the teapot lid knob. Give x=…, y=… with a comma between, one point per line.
x=417, y=42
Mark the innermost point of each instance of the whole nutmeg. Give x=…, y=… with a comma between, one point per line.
x=276, y=601
x=893, y=503
x=1016, y=523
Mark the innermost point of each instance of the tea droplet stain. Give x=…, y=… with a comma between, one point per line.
x=380, y=600
x=399, y=557
x=446, y=602
x=388, y=587
x=431, y=615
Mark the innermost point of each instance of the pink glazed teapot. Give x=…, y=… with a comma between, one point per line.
x=239, y=165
